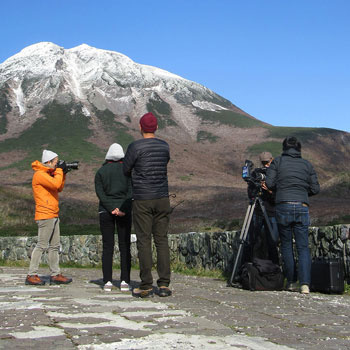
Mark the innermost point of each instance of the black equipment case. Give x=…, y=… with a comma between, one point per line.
x=327, y=275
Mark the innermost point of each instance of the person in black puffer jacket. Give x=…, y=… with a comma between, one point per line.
x=146, y=162
x=294, y=180
x=114, y=191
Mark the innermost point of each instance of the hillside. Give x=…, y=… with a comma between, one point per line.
x=79, y=101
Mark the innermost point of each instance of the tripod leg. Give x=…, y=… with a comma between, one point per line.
x=243, y=236
x=267, y=220
x=271, y=240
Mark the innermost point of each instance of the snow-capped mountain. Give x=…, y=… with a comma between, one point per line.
x=45, y=85
x=99, y=79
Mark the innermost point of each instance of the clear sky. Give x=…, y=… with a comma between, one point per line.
x=284, y=62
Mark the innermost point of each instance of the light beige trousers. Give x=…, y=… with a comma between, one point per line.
x=48, y=238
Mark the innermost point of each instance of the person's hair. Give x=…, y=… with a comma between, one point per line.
x=291, y=142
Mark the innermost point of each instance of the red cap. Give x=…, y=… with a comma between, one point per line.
x=148, y=123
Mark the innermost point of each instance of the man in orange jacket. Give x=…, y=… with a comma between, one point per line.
x=48, y=180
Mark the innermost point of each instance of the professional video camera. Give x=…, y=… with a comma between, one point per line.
x=68, y=166
x=253, y=176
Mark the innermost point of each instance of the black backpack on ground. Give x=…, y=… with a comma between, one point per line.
x=261, y=275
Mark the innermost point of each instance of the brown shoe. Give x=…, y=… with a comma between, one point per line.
x=142, y=293
x=60, y=279
x=34, y=280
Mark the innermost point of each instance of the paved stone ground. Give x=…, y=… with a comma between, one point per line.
x=202, y=314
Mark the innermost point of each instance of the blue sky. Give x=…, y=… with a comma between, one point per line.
x=284, y=62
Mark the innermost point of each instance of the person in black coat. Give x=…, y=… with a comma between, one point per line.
x=294, y=180
x=114, y=191
x=146, y=162
x=259, y=230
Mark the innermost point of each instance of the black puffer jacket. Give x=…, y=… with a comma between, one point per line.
x=292, y=177
x=146, y=161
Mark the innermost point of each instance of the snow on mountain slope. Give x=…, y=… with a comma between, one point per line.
x=84, y=68
x=100, y=79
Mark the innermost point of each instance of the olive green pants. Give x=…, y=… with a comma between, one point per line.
x=48, y=238
x=151, y=217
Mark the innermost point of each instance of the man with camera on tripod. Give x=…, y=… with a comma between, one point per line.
x=294, y=180
x=260, y=229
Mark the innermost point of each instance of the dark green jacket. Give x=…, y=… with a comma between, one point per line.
x=113, y=188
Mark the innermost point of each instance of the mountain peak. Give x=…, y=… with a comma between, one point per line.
x=41, y=48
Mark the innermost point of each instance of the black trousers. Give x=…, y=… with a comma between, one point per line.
x=151, y=217
x=108, y=223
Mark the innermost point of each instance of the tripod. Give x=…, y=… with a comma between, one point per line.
x=245, y=231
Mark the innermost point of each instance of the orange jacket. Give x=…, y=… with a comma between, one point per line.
x=46, y=184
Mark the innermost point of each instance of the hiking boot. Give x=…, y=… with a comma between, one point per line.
x=292, y=287
x=108, y=286
x=34, y=280
x=164, y=291
x=142, y=293
x=304, y=289
x=60, y=279
x=124, y=287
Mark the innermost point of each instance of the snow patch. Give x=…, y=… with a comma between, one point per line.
x=208, y=106
x=85, y=111
x=20, y=98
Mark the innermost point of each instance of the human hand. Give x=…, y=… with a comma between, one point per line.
x=264, y=187
x=62, y=164
x=117, y=212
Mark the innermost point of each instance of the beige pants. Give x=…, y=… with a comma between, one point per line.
x=48, y=238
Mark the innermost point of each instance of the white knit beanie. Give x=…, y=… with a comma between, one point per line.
x=47, y=156
x=115, y=152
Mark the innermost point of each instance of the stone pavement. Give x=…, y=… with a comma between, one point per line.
x=202, y=314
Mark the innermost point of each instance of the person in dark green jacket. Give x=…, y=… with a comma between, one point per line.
x=113, y=189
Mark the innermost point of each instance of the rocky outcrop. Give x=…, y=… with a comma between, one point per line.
x=195, y=249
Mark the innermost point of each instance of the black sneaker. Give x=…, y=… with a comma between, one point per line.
x=164, y=292
x=142, y=293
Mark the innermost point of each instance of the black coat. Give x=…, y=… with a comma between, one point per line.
x=113, y=188
x=292, y=178
x=267, y=197
x=146, y=162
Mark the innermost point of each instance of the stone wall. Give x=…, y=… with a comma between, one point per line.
x=218, y=250
x=196, y=249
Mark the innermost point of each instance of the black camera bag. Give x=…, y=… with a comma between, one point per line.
x=261, y=275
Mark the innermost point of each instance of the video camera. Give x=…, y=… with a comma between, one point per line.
x=253, y=176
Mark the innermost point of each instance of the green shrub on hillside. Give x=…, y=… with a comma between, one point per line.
x=118, y=130
x=206, y=136
x=229, y=118
x=275, y=147
x=5, y=107
x=303, y=134
x=63, y=129
x=162, y=111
